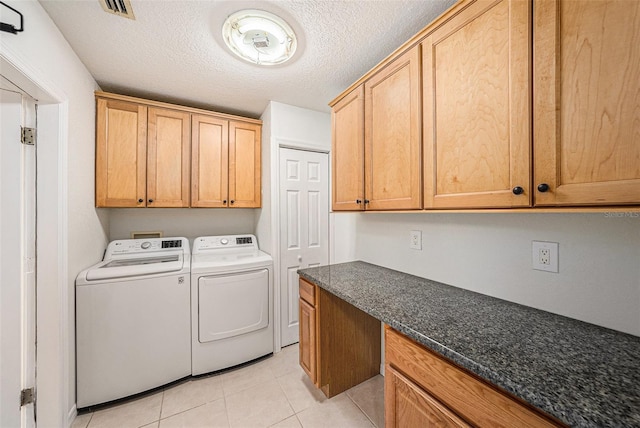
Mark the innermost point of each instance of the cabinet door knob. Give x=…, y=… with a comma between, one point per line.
x=366, y=201
x=150, y=201
x=140, y=200
x=358, y=201
x=518, y=190
x=543, y=187
x=231, y=201
x=224, y=201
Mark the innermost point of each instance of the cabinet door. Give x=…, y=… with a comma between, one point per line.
x=308, y=339
x=121, y=154
x=392, y=135
x=209, y=161
x=347, y=120
x=476, y=108
x=407, y=405
x=168, y=158
x=244, y=165
x=586, y=105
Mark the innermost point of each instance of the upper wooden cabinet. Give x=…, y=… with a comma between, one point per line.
x=209, y=162
x=586, y=104
x=347, y=142
x=168, y=158
x=523, y=103
x=476, y=108
x=121, y=154
x=244, y=165
x=392, y=135
x=152, y=154
x=142, y=155
x=376, y=140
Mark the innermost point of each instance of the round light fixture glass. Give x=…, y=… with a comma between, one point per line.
x=259, y=37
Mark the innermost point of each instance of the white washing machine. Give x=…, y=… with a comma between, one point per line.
x=133, y=319
x=231, y=302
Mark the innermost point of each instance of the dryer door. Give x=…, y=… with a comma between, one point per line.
x=231, y=305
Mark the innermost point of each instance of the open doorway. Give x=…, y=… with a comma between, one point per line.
x=18, y=250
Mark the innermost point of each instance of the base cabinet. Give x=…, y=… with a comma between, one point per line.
x=423, y=388
x=339, y=343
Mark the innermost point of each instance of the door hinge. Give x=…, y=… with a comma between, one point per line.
x=28, y=136
x=27, y=396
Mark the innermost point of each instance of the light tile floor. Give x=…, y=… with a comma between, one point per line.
x=273, y=392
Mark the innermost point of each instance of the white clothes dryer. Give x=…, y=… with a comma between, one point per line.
x=133, y=319
x=231, y=302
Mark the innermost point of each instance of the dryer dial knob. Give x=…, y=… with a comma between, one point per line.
x=145, y=245
x=224, y=241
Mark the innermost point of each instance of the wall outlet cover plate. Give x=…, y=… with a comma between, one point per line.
x=415, y=239
x=544, y=256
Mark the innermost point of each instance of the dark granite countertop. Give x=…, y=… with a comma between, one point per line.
x=583, y=374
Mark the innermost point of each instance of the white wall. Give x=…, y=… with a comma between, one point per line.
x=293, y=127
x=185, y=222
x=43, y=54
x=599, y=260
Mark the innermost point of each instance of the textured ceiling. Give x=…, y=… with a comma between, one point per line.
x=173, y=50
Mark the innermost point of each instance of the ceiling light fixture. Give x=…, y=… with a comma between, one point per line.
x=259, y=37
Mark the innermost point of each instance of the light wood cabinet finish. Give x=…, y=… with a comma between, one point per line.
x=244, y=165
x=466, y=396
x=121, y=154
x=586, y=102
x=408, y=405
x=308, y=340
x=347, y=128
x=476, y=108
x=392, y=135
x=209, y=162
x=168, y=158
x=342, y=348
x=154, y=154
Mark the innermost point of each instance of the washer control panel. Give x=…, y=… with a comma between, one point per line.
x=128, y=246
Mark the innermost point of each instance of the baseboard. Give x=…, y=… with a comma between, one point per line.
x=72, y=415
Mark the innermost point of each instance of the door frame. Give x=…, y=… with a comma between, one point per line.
x=283, y=143
x=52, y=301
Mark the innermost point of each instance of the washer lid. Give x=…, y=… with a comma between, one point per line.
x=135, y=266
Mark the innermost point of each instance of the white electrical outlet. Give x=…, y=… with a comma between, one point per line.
x=545, y=256
x=415, y=239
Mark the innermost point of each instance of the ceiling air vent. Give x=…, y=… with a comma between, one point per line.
x=118, y=7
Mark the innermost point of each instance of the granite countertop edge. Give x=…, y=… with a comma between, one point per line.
x=545, y=402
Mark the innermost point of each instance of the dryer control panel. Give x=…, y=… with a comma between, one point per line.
x=204, y=243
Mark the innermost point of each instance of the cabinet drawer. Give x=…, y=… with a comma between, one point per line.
x=475, y=400
x=307, y=292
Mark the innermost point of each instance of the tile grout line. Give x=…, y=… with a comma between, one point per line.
x=362, y=411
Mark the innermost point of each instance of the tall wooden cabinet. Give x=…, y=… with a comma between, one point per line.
x=152, y=154
x=586, y=103
x=476, y=108
x=389, y=104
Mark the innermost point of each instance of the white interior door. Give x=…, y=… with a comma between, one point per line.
x=18, y=262
x=304, y=227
